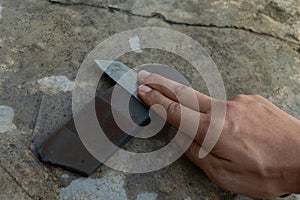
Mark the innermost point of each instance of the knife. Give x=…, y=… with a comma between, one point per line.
x=121, y=74
x=127, y=77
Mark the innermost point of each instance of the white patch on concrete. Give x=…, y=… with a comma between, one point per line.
x=6, y=119
x=135, y=44
x=109, y=187
x=187, y=198
x=56, y=84
x=1, y=8
x=147, y=196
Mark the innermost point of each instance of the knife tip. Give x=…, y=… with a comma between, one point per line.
x=103, y=64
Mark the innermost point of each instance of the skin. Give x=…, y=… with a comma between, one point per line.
x=258, y=151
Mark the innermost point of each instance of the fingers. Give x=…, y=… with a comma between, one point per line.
x=166, y=86
x=189, y=121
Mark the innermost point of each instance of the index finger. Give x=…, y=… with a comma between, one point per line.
x=175, y=91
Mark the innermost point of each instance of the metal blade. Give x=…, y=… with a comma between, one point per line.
x=121, y=74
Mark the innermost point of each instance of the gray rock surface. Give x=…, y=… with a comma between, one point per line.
x=255, y=45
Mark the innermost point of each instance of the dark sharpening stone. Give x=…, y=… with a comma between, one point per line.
x=65, y=148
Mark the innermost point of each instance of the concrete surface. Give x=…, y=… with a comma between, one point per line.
x=254, y=43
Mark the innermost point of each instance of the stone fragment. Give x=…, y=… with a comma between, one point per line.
x=56, y=84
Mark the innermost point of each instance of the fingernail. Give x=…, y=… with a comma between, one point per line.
x=143, y=74
x=144, y=88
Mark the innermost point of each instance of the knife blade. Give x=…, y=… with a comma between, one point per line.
x=121, y=74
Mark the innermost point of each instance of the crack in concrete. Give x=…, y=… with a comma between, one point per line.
x=20, y=185
x=223, y=27
x=172, y=22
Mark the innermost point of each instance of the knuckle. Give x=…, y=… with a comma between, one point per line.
x=154, y=78
x=235, y=107
x=154, y=96
x=157, y=80
x=180, y=90
x=173, y=108
x=231, y=105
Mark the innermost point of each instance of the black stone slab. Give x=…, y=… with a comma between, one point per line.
x=65, y=149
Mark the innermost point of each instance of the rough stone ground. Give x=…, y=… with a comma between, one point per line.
x=255, y=44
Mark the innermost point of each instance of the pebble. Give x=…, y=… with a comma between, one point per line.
x=56, y=84
x=6, y=119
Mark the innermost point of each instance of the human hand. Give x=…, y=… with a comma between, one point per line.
x=258, y=151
